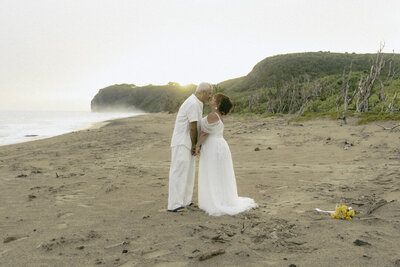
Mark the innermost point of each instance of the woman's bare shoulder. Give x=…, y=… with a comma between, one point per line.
x=212, y=117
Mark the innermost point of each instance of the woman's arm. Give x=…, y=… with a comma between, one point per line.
x=211, y=118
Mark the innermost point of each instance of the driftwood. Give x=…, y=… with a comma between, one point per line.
x=219, y=239
x=376, y=205
x=390, y=128
x=14, y=238
x=211, y=254
x=117, y=245
x=359, y=242
x=243, y=228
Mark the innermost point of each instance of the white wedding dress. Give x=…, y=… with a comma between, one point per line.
x=217, y=184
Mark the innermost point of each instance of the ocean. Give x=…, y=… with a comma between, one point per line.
x=23, y=126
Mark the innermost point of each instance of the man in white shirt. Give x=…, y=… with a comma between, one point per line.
x=183, y=148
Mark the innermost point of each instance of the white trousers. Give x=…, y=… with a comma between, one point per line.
x=181, y=177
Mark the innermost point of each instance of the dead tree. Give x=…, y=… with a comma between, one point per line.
x=338, y=103
x=393, y=103
x=316, y=92
x=269, y=109
x=345, y=94
x=254, y=101
x=293, y=96
x=271, y=103
x=367, y=83
x=282, y=95
x=387, y=84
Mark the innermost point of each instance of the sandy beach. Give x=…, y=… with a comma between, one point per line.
x=99, y=197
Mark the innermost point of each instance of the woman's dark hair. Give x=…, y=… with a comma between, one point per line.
x=224, y=103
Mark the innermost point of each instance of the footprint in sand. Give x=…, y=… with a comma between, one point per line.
x=4, y=252
x=146, y=202
x=64, y=215
x=161, y=264
x=66, y=198
x=156, y=254
x=77, y=195
x=84, y=205
x=128, y=264
x=171, y=264
x=62, y=226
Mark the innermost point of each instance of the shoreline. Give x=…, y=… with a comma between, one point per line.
x=99, y=196
x=83, y=127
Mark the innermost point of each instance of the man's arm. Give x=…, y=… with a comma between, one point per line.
x=193, y=135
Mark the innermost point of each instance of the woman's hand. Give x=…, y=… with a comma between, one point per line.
x=197, y=153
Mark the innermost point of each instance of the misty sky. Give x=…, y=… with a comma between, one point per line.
x=56, y=55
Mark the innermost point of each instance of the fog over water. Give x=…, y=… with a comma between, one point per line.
x=56, y=55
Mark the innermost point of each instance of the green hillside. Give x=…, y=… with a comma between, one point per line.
x=275, y=70
x=282, y=83
x=277, y=84
x=150, y=98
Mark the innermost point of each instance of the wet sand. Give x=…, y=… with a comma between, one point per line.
x=99, y=197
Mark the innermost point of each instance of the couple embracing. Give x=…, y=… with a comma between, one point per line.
x=193, y=136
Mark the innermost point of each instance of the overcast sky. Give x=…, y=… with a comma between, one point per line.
x=56, y=55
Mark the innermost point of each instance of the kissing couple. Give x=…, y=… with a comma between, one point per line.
x=193, y=136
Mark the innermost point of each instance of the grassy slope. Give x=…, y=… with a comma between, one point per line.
x=273, y=71
x=269, y=75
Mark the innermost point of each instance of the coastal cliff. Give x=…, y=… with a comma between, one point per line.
x=149, y=98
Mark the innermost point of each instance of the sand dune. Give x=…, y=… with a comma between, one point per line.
x=99, y=197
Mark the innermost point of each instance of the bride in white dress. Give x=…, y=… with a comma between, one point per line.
x=217, y=184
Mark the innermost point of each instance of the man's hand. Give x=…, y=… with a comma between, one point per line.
x=193, y=150
x=198, y=150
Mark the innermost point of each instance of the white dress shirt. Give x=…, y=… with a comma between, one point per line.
x=191, y=110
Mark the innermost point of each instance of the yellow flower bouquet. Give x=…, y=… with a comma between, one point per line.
x=343, y=212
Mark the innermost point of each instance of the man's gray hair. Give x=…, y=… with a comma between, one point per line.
x=203, y=87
